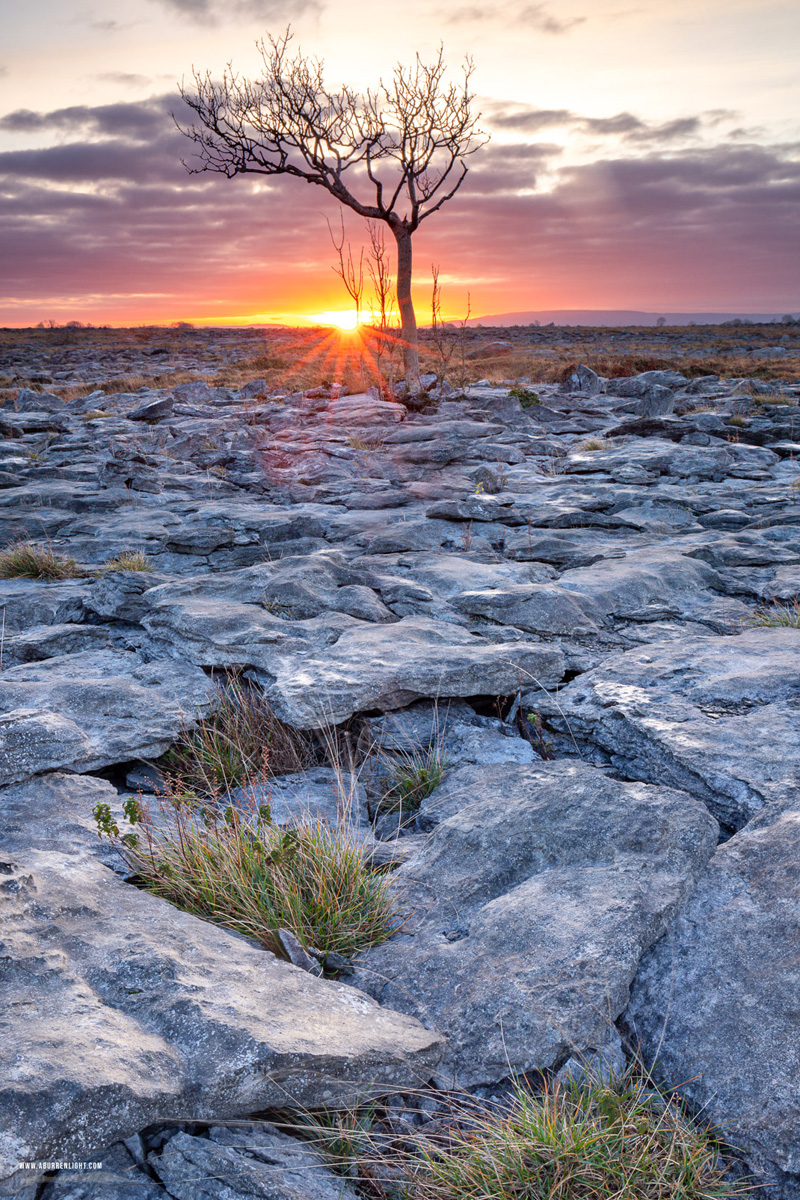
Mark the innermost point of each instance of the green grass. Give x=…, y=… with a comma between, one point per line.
x=227, y=862
x=240, y=743
x=128, y=560
x=576, y=1142
x=787, y=615
x=411, y=775
x=235, y=868
x=27, y=560
x=623, y=1140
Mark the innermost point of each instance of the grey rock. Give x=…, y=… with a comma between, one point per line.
x=125, y=1011
x=152, y=410
x=30, y=401
x=21, y=424
x=388, y=666
x=260, y=1165
x=715, y=1001
x=537, y=608
x=718, y=716
x=88, y=710
x=296, y=954
x=531, y=905
x=656, y=401
x=584, y=380
x=46, y=641
x=118, y=595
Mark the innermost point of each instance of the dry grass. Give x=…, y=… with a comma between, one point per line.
x=594, y=443
x=128, y=560
x=212, y=849
x=28, y=560
x=239, y=744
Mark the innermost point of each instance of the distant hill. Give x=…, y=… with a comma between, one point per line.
x=618, y=316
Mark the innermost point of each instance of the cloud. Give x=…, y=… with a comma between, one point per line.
x=625, y=125
x=535, y=16
x=126, y=78
x=139, y=121
x=649, y=224
x=265, y=11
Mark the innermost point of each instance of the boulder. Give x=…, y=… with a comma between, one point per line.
x=388, y=666
x=233, y=1164
x=88, y=710
x=152, y=410
x=531, y=905
x=717, y=716
x=715, y=1000
x=119, y=1011
x=537, y=608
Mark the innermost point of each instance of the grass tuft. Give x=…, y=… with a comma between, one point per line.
x=233, y=867
x=411, y=775
x=27, y=560
x=128, y=560
x=594, y=443
x=787, y=615
x=239, y=744
x=580, y=1141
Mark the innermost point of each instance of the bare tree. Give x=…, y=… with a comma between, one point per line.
x=384, y=329
x=352, y=276
x=395, y=154
x=448, y=337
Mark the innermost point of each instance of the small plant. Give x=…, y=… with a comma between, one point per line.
x=232, y=866
x=526, y=397
x=27, y=560
x=128, y=560
x=577, y=1142
x=359, y=443
x=240, y=743
x=787, y=615
x=411, y=776
x=534, y=733
x=738, y=421
x=594, y=444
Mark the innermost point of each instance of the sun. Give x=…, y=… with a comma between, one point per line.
x=344, y=319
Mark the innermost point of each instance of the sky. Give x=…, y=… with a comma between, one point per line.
x=643, y=154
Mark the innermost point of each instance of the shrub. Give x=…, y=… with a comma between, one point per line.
x=240, y=743
x=527, y=398
x=27, y=560
x=235, y=868
x=128, y=560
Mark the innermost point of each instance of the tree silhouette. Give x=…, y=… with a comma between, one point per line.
x=395, y=154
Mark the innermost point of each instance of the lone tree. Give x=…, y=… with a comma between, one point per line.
x=394, y=155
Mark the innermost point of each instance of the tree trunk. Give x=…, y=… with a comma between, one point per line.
x=409, y=321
